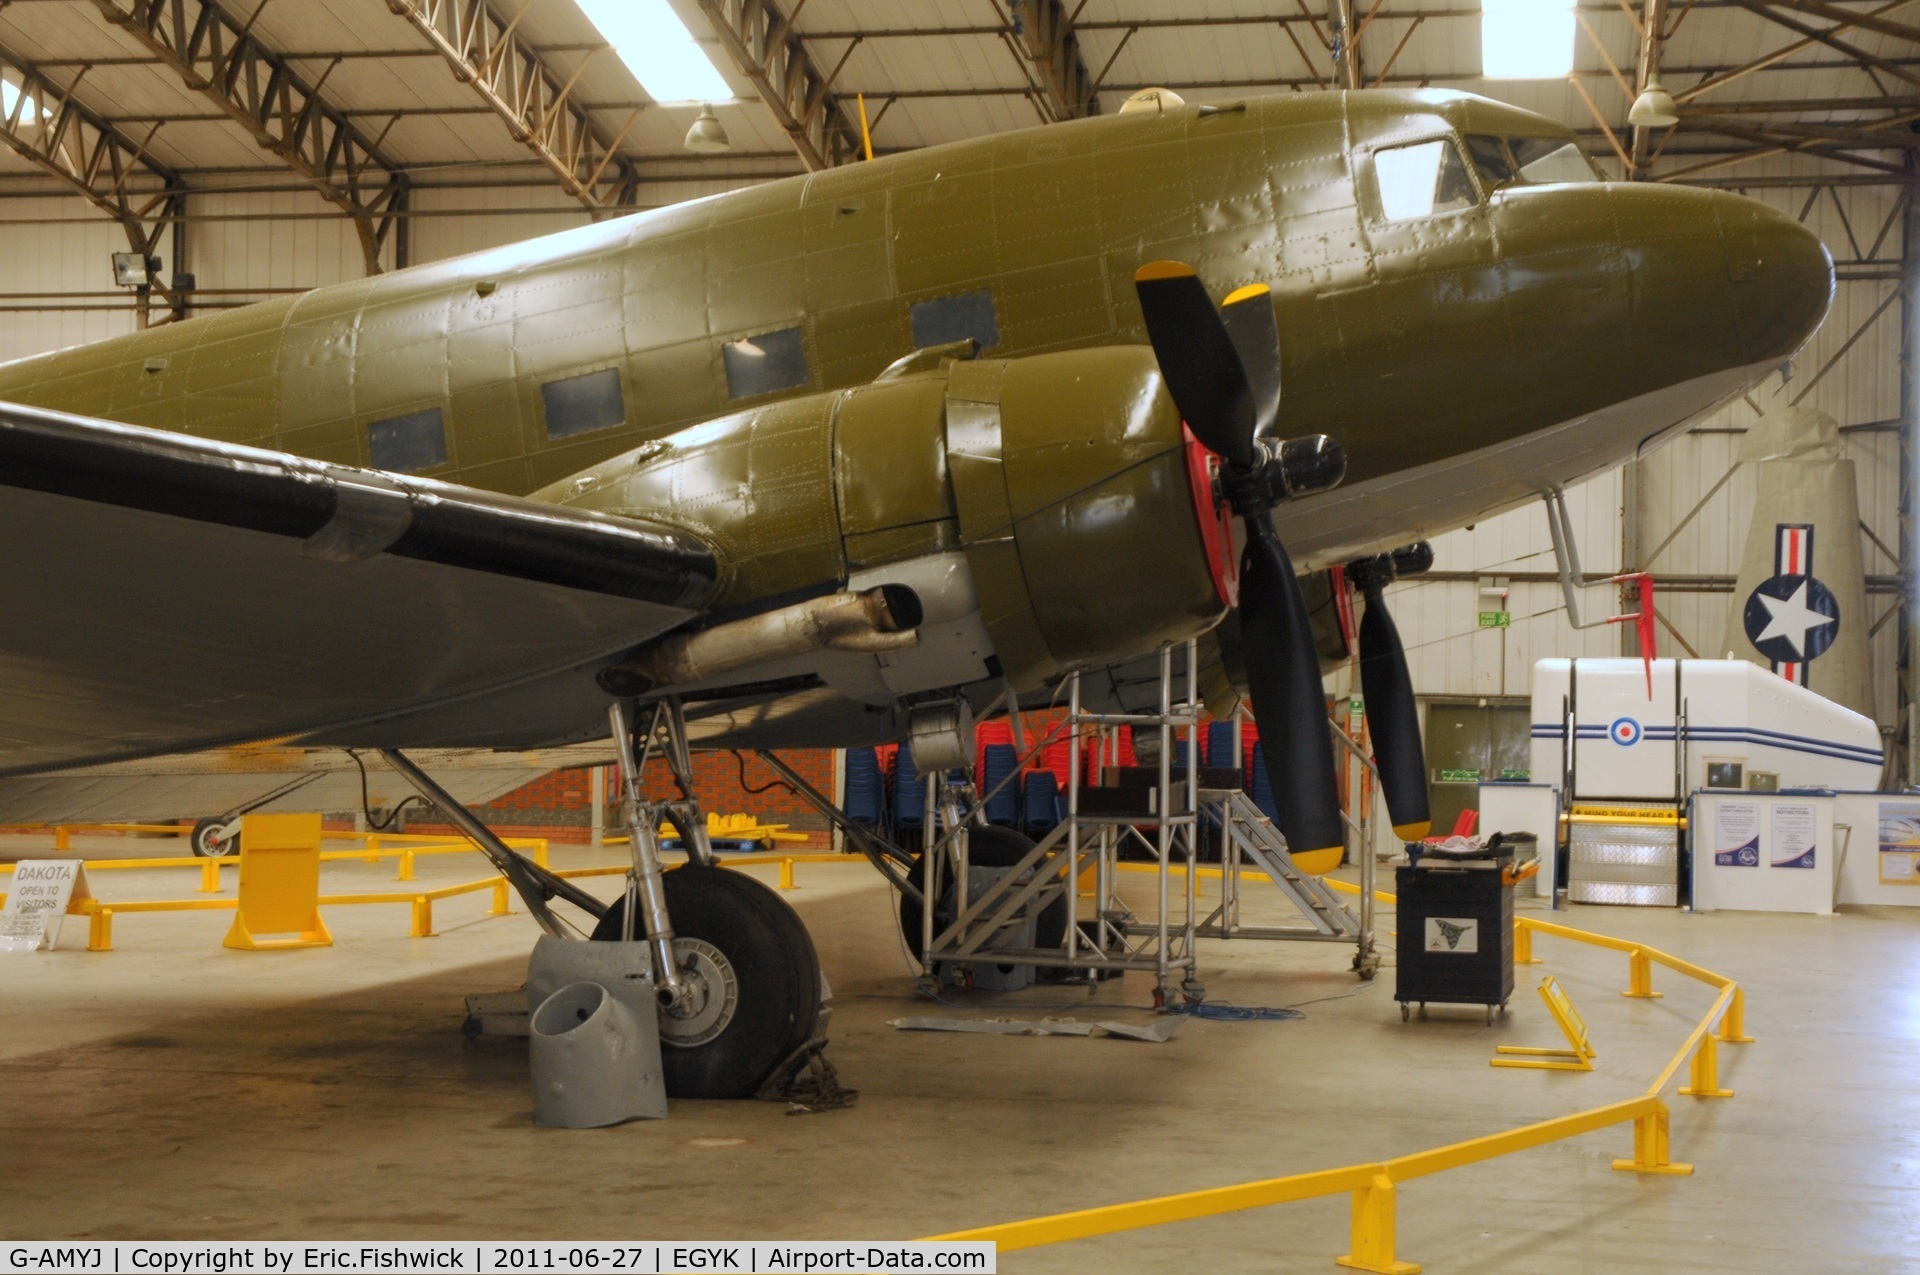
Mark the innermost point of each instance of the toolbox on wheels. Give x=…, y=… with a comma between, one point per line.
x=1455, y=943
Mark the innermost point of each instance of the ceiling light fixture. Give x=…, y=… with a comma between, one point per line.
x=1526, y=39
x=657, y=47
x=708, y=136
x=1654, y=108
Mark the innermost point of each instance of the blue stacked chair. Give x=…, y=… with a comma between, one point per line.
x=1003, y=807
x=865, y=801
x=1219, y=743
x=909, y=791
x=1042, y=799
x=1262, y=791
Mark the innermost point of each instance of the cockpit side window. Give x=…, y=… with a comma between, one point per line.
x=1491, y=158
x=1422, y=180
x=1545, y=160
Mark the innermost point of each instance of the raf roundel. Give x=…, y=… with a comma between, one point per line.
x=1625, y=732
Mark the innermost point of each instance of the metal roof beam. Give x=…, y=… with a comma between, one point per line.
x=761, y=40
x=223, y=60
x=1043, y=32
x=536, y=103
x=93, y=160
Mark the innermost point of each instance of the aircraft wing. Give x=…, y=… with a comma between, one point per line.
x=162, y=594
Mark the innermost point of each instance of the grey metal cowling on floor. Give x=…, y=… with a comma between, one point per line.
x=594, y=1035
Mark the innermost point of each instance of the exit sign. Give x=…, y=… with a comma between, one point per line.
x=1496, y=619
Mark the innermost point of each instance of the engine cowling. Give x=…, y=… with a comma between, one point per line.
x=1063, y=479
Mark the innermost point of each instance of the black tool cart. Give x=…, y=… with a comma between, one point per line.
x=1455, y=915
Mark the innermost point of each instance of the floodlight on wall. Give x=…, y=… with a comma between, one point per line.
x=1654, y=108
x=708, y=136
x=132, y=269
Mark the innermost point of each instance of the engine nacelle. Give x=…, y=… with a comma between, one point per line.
x=1064, y=480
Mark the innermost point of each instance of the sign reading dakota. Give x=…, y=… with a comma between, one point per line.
x=40, y=892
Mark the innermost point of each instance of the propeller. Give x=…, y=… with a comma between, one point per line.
x=1388, y=688
x=1222, y=368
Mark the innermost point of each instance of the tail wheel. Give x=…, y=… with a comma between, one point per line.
x=755, y=981
x=207, y=842
x=986, y=848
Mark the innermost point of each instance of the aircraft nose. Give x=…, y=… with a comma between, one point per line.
x=1780, y=276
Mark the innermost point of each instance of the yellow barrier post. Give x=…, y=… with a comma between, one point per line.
x=210, y=876
x=786, y=874
x=279, y=884
x=1733, y=1023
x=1373, y=1230
x=406, y=866
x=1705, y=1082
x=502, y=903
x=422, y=917
x=1640, y=977
x=63, y=839
x=1650, y=1146
x=100, y=931
x=1523, y=944
x=1579, y=1054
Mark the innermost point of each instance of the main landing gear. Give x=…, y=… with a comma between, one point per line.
x=736, y=974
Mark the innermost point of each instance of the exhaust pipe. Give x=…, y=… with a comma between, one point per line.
x=879, y=619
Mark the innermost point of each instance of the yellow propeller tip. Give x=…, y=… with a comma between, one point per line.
x=1162, y=270
x=1247, y=293
x=1413, y=831
x=1318, y=862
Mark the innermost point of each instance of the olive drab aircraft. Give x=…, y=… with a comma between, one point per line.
x=807, y=463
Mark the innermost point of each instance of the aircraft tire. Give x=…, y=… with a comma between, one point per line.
x=988, y=847
x=203, y=843
x=759, y=979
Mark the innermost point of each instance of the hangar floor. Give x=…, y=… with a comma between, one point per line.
x=172, y=1089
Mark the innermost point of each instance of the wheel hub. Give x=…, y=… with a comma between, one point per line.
x=713, y=995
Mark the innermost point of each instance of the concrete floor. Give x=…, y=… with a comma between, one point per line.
x=173, y=1089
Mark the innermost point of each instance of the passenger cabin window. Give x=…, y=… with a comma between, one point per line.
x=1422, y=180
x=1545, y=160
x=583, y=404
x=764, y=364
x=408, y=444
x=944, y=319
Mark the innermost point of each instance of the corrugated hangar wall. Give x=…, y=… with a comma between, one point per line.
x=247, y=247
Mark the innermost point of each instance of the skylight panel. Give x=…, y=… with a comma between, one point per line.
x=657, y=47
x=1526, y=39
x=10, y=97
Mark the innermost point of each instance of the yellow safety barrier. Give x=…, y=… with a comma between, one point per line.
x=279, y=884
x=1578, y=1056
x=734, y=828
x=1374, y=1185
x=101, y=914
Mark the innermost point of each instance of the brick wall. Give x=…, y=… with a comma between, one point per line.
x=559, y=806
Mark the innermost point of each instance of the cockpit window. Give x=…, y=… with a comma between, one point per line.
x=1543, y=160
x=1491, y=158
x=1421, y=180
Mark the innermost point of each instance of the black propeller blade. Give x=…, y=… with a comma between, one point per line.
x=1223, y=371
x=1248, y=314
x=1388, y=687
x=1197, y=357
x=1289, y=703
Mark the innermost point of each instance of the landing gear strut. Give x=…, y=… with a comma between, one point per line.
x=739, y=981
x=736, y=975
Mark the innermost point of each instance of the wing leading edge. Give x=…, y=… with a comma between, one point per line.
x=160, y=593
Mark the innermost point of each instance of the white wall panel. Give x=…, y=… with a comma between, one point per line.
x=55, y=245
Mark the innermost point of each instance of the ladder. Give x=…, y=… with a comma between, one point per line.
x=1249, y=837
